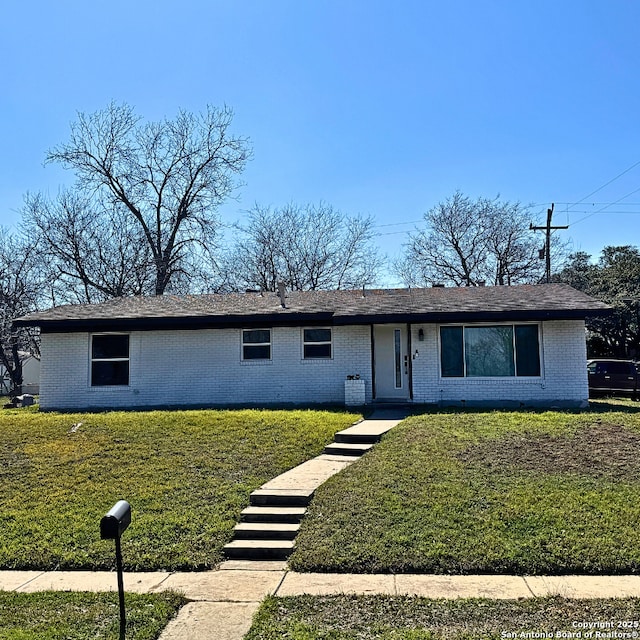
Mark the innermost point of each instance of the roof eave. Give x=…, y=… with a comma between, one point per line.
x=297, y=319
x=471, y=316
x=175, y=323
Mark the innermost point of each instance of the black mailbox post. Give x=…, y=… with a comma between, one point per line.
x=112, y=526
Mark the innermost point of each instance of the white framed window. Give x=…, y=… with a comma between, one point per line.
x=256, y=344
x=109, y=359
x=317, y=343
x=487, y=351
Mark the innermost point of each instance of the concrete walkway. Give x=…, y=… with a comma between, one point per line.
x=270, y=523
x=223, y=601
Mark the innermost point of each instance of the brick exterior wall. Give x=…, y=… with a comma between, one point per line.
x=204, y=368
x=355, y=393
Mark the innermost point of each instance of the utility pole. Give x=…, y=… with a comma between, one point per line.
x=547, y=247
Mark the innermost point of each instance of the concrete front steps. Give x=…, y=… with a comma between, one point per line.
x=268, y=527
x=347, y=449
x=358, y=439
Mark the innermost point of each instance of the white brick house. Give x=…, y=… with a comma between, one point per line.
x=515, y=346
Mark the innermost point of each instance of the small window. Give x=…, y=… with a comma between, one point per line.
x=256, y=344
x=316, y=343
x=109, y=360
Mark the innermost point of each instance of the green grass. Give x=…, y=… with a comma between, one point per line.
x=187, y=475
x=84, y=616
x=486, y=492
x=413, y=618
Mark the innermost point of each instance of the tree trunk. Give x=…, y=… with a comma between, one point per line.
x=16, y=372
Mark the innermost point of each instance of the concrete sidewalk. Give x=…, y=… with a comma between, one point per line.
x=250, y=581
x=223, y=601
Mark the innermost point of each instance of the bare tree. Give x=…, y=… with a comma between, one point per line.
x=90, y=253
x=165, y=179
x=451, y=250
x=20, y=284
x=471, y=242
x=306, y=248
x=513, y=254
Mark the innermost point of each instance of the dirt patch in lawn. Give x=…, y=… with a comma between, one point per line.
x=601, y=450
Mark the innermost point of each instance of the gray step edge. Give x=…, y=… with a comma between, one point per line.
x=265, y=531
x=273, y=514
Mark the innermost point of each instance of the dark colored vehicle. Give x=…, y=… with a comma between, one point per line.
x=612, y=377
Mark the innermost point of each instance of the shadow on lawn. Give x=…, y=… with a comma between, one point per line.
x=609, y=405
x=606, y=405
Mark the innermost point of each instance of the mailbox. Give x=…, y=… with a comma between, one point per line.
x=112, y=526
x=115, y=523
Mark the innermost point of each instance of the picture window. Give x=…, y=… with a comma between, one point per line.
x=490, y=351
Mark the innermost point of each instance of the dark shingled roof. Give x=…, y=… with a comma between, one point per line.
x=464, y=304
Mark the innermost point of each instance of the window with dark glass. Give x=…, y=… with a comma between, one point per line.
x=316, y=343
x=256, y=344
x=527, y=350
x=109, y=360
x=397, y=356
x=451, y=352
x=490, y=351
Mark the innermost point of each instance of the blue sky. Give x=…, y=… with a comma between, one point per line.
x=380, y=108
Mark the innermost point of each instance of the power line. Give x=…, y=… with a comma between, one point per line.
x=624, y=213
x=593, y=204
x=393, y=233
x=570, y=205
x=603, y=208
x=396, y=224
x=606, y=184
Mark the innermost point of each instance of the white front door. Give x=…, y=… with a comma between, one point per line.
x=391, y=362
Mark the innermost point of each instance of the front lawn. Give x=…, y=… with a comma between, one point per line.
x=412, y=618
x=187, y=475
x=84, y=616
x=486, y=492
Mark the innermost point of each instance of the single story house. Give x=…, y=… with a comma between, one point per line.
x=513, y=346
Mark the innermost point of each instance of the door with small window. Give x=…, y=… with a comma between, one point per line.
x=392, y=365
